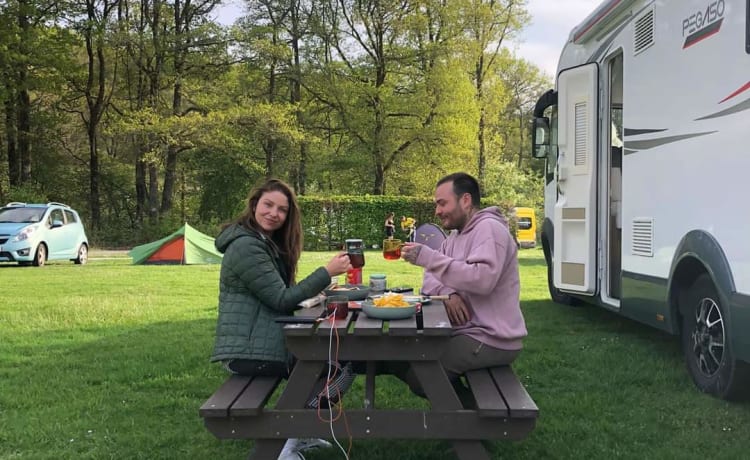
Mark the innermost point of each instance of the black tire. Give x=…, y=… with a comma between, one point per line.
x=40, y=257
x=706, y=343
x=83, y=255
x=555, y=294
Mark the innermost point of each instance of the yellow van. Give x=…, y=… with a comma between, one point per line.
x=526, y=227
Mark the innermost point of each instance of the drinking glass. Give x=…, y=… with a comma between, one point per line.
x=337, y=305
x=392, y=249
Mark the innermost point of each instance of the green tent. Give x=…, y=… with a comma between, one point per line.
x=185, y=246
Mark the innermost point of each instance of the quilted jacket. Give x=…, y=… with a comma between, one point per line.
x=252, y=292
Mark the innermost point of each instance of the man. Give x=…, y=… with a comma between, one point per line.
x=409, y=225
x=477, y=267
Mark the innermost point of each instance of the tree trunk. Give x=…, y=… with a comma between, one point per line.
x=24, y=130
x=14, y=164
x=24, y=101
x=153, y=193
x=482, y=160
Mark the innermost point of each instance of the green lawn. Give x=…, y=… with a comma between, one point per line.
x=110, y=360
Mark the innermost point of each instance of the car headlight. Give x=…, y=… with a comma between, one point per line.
x=24, y=234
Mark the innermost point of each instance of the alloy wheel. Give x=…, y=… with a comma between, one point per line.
x=708, y=337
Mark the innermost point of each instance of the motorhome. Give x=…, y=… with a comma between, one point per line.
x=646, y=199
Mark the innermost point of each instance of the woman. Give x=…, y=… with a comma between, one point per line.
x=390, y=227
x=257, y=284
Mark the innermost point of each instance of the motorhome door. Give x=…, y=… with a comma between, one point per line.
x=574, y=216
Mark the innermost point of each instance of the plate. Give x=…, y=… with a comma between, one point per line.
x=388, y=312
x=351, y=291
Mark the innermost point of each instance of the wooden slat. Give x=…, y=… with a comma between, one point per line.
x=219, y=403
x=435, y=319
x=255, y=396
x=520, y=404
x=400, y=327
x=304, y=329
x=367, y=326
x=490, y=402
x=445, y=425
x=324, y=327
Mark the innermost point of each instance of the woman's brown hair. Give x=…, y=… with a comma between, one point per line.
x=288, y=238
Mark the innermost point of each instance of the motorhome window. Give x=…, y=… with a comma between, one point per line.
x=524, y=223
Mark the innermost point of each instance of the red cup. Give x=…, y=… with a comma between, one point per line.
x=338, y=306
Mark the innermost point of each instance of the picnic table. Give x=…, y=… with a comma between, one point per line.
x=504, y=410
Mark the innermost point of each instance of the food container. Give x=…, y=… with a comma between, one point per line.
x=378, y=282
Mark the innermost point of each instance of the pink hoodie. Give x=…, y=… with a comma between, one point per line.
x=480, y=264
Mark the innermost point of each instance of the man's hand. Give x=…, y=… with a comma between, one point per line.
x=457, y=310
x=410, y=252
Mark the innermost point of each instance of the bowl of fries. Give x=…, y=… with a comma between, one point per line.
x=389, y=306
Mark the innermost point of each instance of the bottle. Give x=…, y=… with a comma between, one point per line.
x=354, y=276
x=378, y=283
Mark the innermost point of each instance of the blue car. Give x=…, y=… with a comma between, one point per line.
x=36, y=233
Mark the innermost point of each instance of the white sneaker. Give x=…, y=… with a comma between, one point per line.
x=312, y=443
x=291, y=450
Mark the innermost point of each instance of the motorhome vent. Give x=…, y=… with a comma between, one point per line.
x=582, y=124
x=644, y=31
x=643, y=237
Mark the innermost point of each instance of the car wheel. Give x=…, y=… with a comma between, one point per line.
x=706, y=343
x=83, y=255
x=555, y=294
x=41, y=255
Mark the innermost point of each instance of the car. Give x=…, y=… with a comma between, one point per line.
x=36, y=233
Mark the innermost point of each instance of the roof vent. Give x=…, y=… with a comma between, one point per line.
x=644, y=31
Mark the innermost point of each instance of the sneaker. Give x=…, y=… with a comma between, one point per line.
x=340, y=384
x=312, y=443
x=291, y=450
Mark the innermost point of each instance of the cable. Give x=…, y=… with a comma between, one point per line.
x=328, y=381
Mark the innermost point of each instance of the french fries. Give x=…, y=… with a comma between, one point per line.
x=390, y=301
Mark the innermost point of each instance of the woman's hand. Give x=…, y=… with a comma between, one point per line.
x=339, y=264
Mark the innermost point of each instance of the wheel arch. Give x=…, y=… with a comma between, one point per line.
x=697, y=253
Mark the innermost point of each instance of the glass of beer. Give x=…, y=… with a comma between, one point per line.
x=355, y=251
x=392, y=249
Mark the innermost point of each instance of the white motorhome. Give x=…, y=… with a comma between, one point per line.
x=648, y=175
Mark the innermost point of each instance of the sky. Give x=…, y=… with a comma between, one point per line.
x=540, y=43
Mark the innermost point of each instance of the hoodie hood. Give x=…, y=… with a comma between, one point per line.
x=231, y=233
x=492, y=212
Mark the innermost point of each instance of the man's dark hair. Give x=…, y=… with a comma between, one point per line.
x=463, y=183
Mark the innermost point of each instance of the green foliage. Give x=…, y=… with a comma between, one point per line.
x=328, y=221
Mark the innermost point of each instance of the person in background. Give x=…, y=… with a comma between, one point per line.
x=390, y=227
x=257, y=283
x=409, y=225
x=477, y=267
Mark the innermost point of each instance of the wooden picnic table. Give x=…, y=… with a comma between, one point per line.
x=504, y=408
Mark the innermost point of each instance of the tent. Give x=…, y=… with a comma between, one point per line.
x=185, y=246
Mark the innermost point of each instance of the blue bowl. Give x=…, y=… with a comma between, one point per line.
x=388, y=312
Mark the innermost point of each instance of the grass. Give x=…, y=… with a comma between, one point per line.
x=110, y=360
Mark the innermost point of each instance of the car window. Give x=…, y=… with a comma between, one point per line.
x=55, y=214
x=70, y=217
x=524, y=223
x=21, y=215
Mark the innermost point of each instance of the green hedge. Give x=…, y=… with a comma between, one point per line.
x=328, y=221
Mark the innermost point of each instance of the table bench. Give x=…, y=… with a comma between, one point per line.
x=504, y=409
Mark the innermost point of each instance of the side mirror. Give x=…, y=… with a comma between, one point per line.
x=57, y=223
x=540, y=137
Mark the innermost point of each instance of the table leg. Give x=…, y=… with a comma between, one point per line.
x=442, y=396
x=370, y=385
x=267, y=448
x=298, y=389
